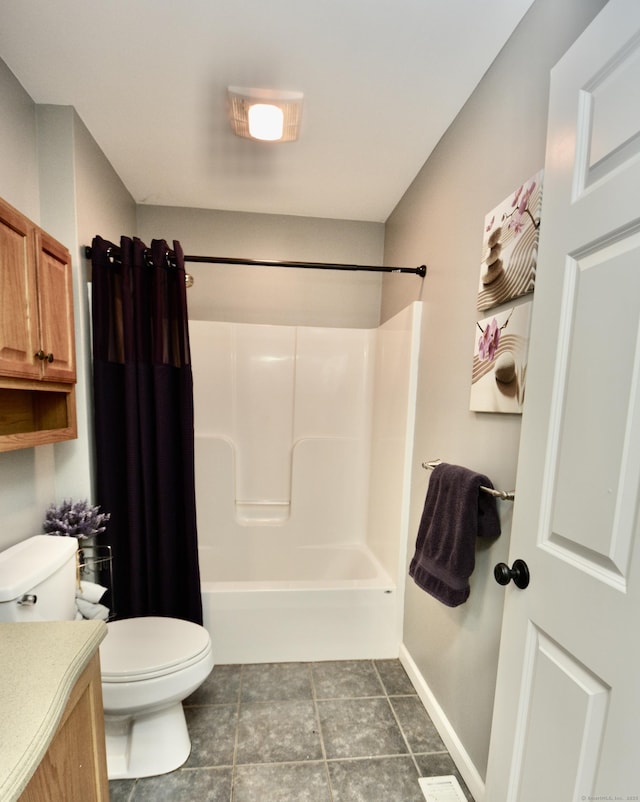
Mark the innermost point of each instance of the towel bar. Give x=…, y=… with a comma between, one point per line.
x=503, y=494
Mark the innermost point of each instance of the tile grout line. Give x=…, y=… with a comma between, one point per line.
x=234, y=759
x=404, y=737
x=314, y=697
x=397, y=720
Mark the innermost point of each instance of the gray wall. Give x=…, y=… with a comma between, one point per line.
x=19, y=183
x=269, y=295
x=497, y=142
x=65, y=184
x=79, y=192
x=27, y=477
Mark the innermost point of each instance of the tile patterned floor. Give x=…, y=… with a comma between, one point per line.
x=348, y=731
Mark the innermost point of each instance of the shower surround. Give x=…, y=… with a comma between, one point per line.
x=303, y=440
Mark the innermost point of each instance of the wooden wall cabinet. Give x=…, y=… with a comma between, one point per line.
x=37, y=345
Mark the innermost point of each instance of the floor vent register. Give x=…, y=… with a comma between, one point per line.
x=441, y=789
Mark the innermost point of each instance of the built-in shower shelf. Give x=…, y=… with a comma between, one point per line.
x=262, y=512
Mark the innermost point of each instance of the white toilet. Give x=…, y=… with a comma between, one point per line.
x=149, y=665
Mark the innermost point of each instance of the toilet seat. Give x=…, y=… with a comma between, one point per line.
x=138, y=649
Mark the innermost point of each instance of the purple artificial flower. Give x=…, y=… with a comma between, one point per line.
x=74, y=519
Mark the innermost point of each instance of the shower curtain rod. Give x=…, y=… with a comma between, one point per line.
x=223, y=260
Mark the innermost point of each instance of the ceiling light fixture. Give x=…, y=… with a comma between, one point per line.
x=265, y=114
x=266, y=122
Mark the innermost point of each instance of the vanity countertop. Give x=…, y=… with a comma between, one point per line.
x=40, y=663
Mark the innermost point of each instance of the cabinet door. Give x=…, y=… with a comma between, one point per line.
x=19, y=338
x=55, y=299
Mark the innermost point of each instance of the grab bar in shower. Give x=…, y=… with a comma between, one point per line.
x=503, y=494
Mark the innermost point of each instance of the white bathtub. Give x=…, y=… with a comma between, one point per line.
x=308, y=603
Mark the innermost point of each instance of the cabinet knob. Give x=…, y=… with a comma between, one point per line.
x=49, y=357
x=42, y=356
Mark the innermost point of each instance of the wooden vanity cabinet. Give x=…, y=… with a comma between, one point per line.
x=74, y=768
x=37, y=346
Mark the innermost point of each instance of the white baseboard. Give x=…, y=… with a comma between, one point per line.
x=457, y=751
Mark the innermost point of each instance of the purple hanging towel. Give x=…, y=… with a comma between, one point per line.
x=455, y=513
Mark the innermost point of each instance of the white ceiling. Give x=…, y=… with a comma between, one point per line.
x=382, y=81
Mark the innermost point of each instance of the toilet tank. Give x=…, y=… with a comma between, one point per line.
x=38, y=580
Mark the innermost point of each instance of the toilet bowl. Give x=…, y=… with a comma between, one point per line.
x=149, y=665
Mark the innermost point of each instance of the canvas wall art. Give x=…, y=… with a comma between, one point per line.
x=500, y=361
x=510, y=246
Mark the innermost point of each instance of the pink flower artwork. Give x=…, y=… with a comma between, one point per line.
x=489, y=340
x=510, y=245
x=499, y=370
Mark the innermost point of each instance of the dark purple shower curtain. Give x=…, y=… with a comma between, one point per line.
x=143, y=401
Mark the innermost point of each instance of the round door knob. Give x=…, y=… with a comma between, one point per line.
x=519, y=573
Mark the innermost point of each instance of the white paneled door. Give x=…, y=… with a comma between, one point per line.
x=567, y=715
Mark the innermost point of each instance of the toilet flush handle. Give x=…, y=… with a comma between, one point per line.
x=28, y=600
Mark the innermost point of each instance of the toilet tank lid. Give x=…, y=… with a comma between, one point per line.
x=31, y=561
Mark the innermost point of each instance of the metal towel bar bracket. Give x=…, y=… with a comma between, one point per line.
x=503, y=494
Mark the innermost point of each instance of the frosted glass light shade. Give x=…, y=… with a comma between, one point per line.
x=247, y=105
x=266, y=122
